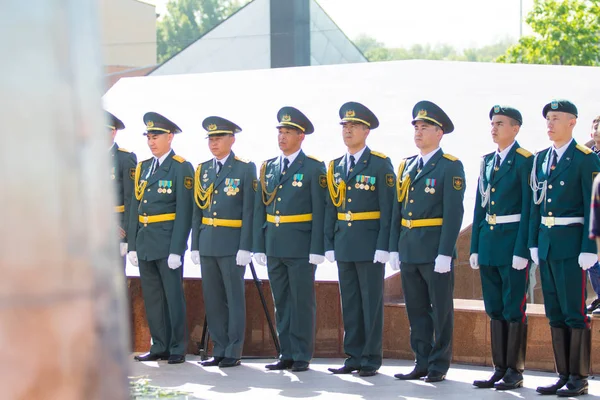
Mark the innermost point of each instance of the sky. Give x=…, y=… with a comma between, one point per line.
x=401, y=23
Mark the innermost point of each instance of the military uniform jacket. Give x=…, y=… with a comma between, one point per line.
x=295, y=239
x=122, y=174
x=357, y=240
x=232, y=198
x=436, y=192
x=174, y=178
x=568, y=193
x=509, y=194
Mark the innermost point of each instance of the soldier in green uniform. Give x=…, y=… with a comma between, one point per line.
x=357, y=231
x=288, y=237
x=499, y=246
x=122, y=173
x=159, y=228
x=425, y=225
x=222, y=239
x=561, y=180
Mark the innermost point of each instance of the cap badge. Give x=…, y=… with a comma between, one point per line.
x=350, y=114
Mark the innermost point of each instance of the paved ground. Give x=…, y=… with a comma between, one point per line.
x=252, y=380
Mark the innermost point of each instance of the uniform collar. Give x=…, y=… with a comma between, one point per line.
x=428, y=156
x=291, y=157
x=561, y=151
x=222, y=160
x=504, y=152
x=356, y=155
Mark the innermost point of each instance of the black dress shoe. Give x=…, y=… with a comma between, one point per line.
x=434, y=376
x=594, y=305
x=576, y=386
x=300, y=366
x=211, y=363
x=151, y=357
x=229, y=362
x=367, y=372
x=513, y=379
x=342, y=370
x=413, y=375
x=176, y=359
x=551, y=389
x=280, y=365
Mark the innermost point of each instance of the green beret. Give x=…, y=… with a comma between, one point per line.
x=508, y=111
x=561, y=105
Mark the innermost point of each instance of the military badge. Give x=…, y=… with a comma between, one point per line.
x=132, y=173
x=232, y=186
x=458, y=182
x=212, y=127
x=298, y=180
x=430, y=185
x=150, y=124
x=323, y=181
x=496, y=109
x=350, y=114
x=188, y=182
x=422, y=114
x=286, y=118
x=389, y=180
x=554, y=104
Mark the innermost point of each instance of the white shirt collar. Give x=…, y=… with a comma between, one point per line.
x=356, y=156
x=504, y=152
x=428, y=156
x=291, y=157
x=222, y=160
x=561, y=151
x=163, y=157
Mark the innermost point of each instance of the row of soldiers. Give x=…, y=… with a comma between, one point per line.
x=360, y=214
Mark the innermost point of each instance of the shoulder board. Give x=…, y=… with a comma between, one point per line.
x=178, y=158
x=242, y=159
x=378, y=154
x=524, y=152
x=314, y=158
x=123, y=150
x=584, y=149
x=450, y=157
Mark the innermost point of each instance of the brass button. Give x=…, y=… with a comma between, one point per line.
x=550, y=213
x=412, y=201
x=349, y=200
x=215, y=213
x=277, y=212
x=549, y=186
x=145, y=201
x=276, y=225
x=144, y=214
x=215, y=202
x=410, y=214
x=549, y=200
x=493, y=189
x=349, y=187
x=280, y=186
x=491, y=228
x=349, y=223
x=148, y=190
x=412, y=188
x=279, y=199
x=493, y=202
x=145, y=225
x=216, y=191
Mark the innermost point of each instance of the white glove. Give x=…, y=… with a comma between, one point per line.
x=260, y=258
x=587, y=260
x=132, y=255
x=442, y=264
x=474, y=261
x=533, y=251
x=174, y=261
x=519, y=263
x=123, y=249
x=316, y=259
x=196, y=257
x=330, y=256
x=243, y=258
x=381, y=256
x=395, y=261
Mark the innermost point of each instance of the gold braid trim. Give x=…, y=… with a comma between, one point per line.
x=139, y=187
x=263, y=185
x=202, y=197
x=402, y=185
x=337, y=192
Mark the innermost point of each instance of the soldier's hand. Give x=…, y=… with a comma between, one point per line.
x=260, y=258
x=395, y=260
x=196, y=257
x=519, y=263
x=330, y=256
x=534, y=255
x=123, y=249
x=132, y=256
x=442, y=264
x=243, y=258
x=174, y=261
x=474, y=261
x=587, y=260
x=381, y=256
x=122, y=233
x=316, y=259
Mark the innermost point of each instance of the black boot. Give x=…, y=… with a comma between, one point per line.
x=560, y=344
x=579, y=364
x=499, y=331
x=515, y=357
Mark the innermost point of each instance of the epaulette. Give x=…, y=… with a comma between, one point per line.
x=584, y=149
x=242, y=159
x=450, y=157
x=314, y=158
x=524, y=152
x=378, y=154
x=178, y=158
x=123, y=150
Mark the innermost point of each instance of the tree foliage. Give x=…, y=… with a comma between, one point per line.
x=186, y=20
x=566, y=32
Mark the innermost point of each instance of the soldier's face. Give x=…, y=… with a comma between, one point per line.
x=503, y=132
x=427, y=136
x=289, y=140
x=113, y=133
x=159, y=144
x=596, y=131
x=560, y=125
x=354, y=134
x=220, y=146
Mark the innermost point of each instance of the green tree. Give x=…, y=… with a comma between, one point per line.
x=566, y=32
x=186, y=20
